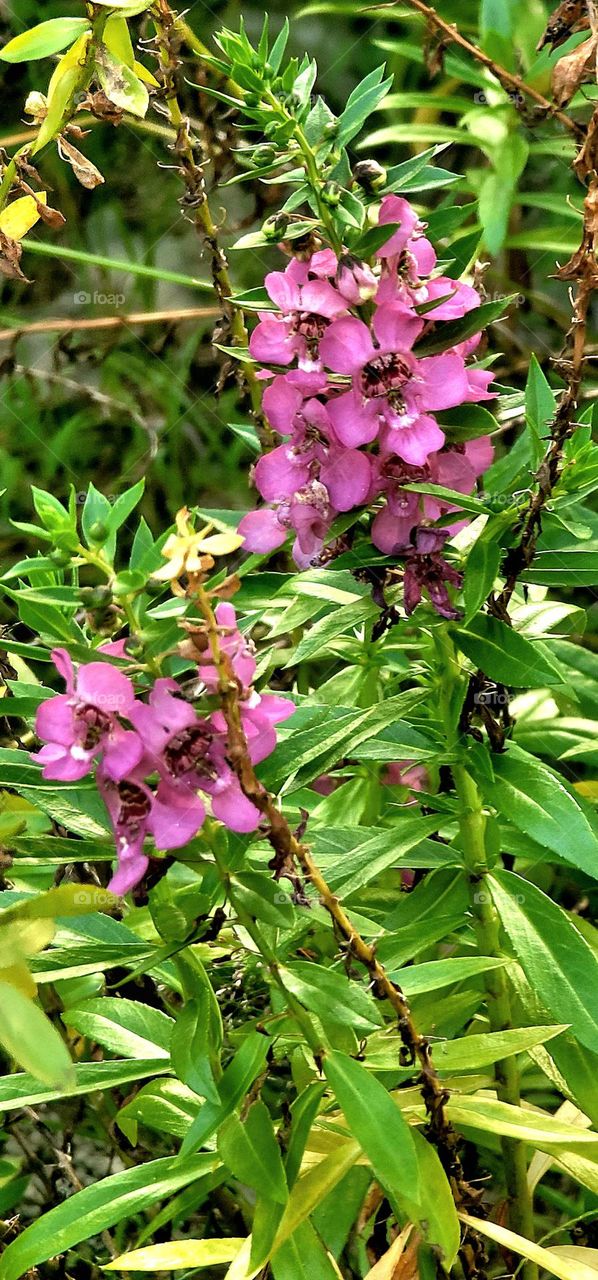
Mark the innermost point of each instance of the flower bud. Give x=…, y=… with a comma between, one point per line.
x=369, y=175
x=355, y=281
x=263, y=154
x=98, y=532
x=274, y=227
x=331, y=194
x=96, y=597
x=60, y=557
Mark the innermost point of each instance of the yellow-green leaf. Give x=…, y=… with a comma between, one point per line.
x=178, y=1255
x=549, y=1259
x=29, y=1037
x=44, y=39
x=19, y=217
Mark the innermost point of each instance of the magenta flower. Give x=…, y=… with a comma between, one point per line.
x=409, y=237
x=172, y=816
x=238, y=649
x=260, y=713
x=307, y=305
x=389, y=388
x=189, y=753
x=454, y=467
x=81, y=723
x=314, y=454
x=426, y=569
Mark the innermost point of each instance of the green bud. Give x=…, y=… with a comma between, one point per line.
x=274, y=228
x=96, y=597
x=60, y=557
x=264, y=155
x=252, y=100
x=98, y=532
x=331, y=194
x=369, y=175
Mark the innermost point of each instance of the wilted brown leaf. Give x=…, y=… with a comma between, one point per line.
x=568, y=17
x=10, y=258
x=573, y=70
x=400, y=1261
x=84, y=170
x=52, y=217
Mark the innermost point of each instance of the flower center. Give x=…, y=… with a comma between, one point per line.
x=92, y=725
x=311, y=328
x=135, y=806
x=386, y=375
x=189, y=752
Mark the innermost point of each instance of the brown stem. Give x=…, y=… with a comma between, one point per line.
x=196, y=202
x=513, y=84
x=291, y=852
x=70, y=325
x=582, y=269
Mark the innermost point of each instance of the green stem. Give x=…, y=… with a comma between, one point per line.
x=472, y=827
x=114, y=264
x=270, y=958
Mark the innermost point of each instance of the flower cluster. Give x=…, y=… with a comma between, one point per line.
x=356, y=406
x=153, y=757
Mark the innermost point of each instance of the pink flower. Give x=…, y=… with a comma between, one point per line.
x=189, y=752
x=171, y=815
x=81, y=723
x=237, y=648
x=307, y=306
x=390, y=388
x=454, y=467
x=426, y=569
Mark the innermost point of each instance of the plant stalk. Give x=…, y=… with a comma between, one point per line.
x=472, y=827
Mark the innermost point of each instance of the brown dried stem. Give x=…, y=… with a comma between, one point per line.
x=196, y=202
x=290, y=853
x=513, y=84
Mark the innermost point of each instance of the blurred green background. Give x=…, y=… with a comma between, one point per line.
x=112, y=403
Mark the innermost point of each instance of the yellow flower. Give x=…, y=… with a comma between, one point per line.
x=190, y=551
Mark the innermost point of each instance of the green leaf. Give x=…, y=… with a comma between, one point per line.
x=539, y=399
x=505, y=655
x=331, y=995
x=360, y=104
x=571, y=567
x=43, y=40
x=24, y=1090
x=483, y=564
x=100, y=1205
x=432, y=975
x=449, y=333
x=539, y=1128
x=250, y=1150
x=178, y=1255
x=557, y=961
x=328, y=628
x=27, y=1035
x=124, y=1026
x=233, y=1086
x=377, y=1124
x=535, y=800
x=435, y=1212
x=191, y=1045
x=464, y=501
x=304, y=1257
x=475, y=1051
